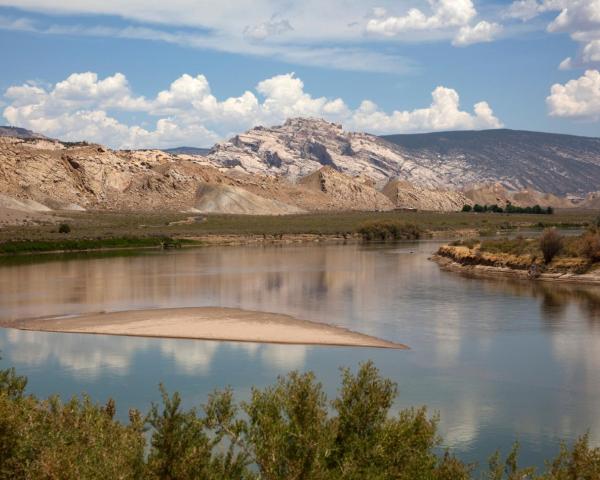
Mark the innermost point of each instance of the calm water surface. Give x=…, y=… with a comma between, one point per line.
x=500, y=360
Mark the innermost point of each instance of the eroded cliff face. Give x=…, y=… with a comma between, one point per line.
x=406, y=195
x=38, y=174
x=301, y=146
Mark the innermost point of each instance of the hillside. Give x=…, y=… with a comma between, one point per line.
x=302, y=166
x=17, y=132
x=547, y=162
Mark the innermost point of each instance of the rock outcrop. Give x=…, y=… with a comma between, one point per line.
x=301, y=146
x=409, y=196
x=219, y=198
x=348, y=193
x=499, y=195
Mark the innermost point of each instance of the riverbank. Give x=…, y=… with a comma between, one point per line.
x=205, y=323
x=473, y=262
x=99, y=231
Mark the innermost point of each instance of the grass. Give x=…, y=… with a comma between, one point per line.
x=93, y=230
x=41, y=246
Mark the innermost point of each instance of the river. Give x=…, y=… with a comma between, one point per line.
x=500, y=360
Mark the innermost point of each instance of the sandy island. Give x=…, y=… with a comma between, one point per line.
x=205, y=323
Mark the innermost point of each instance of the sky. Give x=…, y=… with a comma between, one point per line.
x=156, y=74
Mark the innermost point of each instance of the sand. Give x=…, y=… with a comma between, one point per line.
x=206, y=323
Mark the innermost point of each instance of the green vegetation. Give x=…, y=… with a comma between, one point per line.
x=25, y=246
x=287, y=431
x=101, y=225
x=577, y=254
x=389, y=230
x=64, y=228
x=510, y=208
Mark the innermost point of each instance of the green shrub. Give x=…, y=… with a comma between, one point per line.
x=64, y=228
x=467, y=208
x=389, y=230
x=287, y=431
x=551, y=243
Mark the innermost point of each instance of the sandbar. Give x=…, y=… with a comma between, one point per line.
x=205, y=323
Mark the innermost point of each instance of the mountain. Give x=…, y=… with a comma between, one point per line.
x=17, y=132
x=300, y=166
x=200, y=152
x=517, y=160
x=547, y=162
x=301, y=146
x=38, y=175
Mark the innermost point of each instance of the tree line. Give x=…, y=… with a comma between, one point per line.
x=509, y=208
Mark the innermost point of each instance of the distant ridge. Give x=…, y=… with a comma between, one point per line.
x=8, y=131
x=202, y=152
x=459, y=137
x=549, y=162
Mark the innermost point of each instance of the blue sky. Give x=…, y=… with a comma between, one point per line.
x=143, y=73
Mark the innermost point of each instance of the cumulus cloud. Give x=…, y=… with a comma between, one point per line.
x=443, y=114
x=578, y=18
x=482, y=32
x=445, y=13
x=84, y=106
x=454, y=17
x=577, y=98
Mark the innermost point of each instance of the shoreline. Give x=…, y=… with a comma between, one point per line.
x=196, y=241
x=206, y=323
x=489, y=271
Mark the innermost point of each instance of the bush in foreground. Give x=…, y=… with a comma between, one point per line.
x=389, y=230
x=287, y=431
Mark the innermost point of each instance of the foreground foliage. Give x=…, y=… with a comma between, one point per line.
x=287, y=431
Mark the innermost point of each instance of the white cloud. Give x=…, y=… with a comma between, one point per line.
x=524, y=9
x=233, y=27
x=566, y=64
x=452, y=18
x=443, y=114
x=482, y=32
x=275, y=26
x=578, y=18
x=577, y=98
x=86, y=107
x=445, y=13
x=591, y=52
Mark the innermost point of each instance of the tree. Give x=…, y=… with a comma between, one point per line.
x=467, y=208
x=180, y=448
